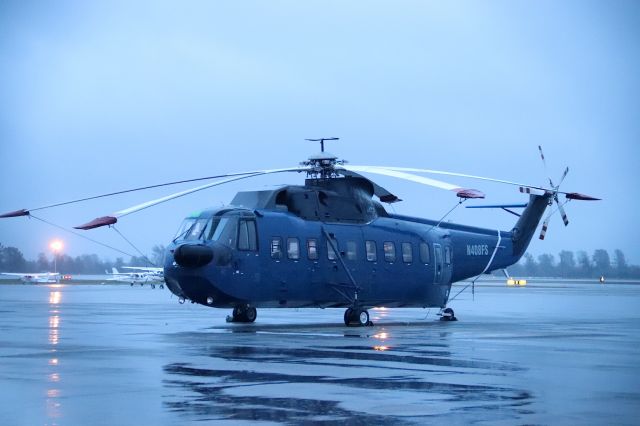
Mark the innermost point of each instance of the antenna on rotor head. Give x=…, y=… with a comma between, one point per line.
x=321, y=140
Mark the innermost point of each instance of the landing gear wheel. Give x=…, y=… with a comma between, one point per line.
x=161, y=285
x=348, y=314
x=448, y=315
x=250, y=314
x=363, y=318
x=357, y=317
x=153, y=286
x=243, y=314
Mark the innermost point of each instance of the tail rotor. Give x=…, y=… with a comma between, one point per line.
x=555, y=189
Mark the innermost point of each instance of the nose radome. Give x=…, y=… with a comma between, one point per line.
x=193, y=255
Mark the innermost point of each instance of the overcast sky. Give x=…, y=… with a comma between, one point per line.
x=102, y=96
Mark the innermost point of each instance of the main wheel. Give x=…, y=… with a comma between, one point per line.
x=348, y=315
x=363, y=318
x=250, y=314
x=237, y=314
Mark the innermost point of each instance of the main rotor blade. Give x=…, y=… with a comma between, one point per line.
x=26, y=212
x=533, y=188
x=112, y=219
x=380, y=192
x=461, y=192
x=440, y=172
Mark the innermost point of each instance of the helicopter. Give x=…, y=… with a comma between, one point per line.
x=330, y=243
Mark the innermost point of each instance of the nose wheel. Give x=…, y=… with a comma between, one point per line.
x=448, y=315
x=243, y=314
x=356, y=317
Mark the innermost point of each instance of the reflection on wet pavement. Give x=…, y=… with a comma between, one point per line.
x=116, y=355
x=307, y=377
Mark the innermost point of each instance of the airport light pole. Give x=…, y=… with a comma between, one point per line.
x=56, y=247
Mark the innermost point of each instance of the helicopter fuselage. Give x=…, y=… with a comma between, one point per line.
x=266, y=258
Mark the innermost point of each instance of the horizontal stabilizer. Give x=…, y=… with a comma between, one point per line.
x=499, y=206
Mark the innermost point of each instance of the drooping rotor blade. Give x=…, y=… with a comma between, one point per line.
x=380, y=192
x=113, y=218
x=530, y=189
x=460, y=192
x=440, y=172
x=26, y=212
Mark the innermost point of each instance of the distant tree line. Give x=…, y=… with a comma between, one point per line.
x=567, y=264
x=579, y=265
x=12, y=260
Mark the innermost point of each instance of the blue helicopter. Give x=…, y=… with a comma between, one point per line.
x=330, y=243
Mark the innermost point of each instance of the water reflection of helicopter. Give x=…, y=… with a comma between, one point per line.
x=328, y=243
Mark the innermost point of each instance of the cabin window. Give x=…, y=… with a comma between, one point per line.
x=424, y=253
x=447, y=255
x=276, y=248
x=407, y=253
x=370, y=247
x=247, y=239
x=389, y=251
x=331, y=254
x=293, y=248
x=312, y=249
x=351, y=250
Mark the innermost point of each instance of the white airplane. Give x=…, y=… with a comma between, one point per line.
x=40, y=278
x=157, y=273
x=144, y=275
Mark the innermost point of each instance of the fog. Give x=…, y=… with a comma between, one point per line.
x=104, y=96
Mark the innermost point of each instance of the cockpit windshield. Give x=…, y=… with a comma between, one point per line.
x=184, y=227
x=222, y=229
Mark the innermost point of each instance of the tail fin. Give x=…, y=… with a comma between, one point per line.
x=528, y=223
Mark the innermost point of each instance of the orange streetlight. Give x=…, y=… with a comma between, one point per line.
x=56, y=247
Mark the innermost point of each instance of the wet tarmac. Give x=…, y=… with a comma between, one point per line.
x=551, y=353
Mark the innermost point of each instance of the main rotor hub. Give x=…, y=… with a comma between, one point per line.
x=322, y=165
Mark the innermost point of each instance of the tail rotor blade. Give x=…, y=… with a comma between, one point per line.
x=563, y=213
x=545, y=225
x=564, y=175
x=545, y=166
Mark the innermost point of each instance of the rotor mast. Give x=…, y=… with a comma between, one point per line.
x=322, y=165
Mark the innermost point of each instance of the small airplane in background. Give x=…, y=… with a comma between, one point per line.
x=40, y=278
x=157, y=273
x=141, y=275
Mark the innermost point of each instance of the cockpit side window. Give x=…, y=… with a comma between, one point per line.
x=247, y=238
x=227, y=232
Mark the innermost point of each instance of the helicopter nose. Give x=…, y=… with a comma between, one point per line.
x=193, y=255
